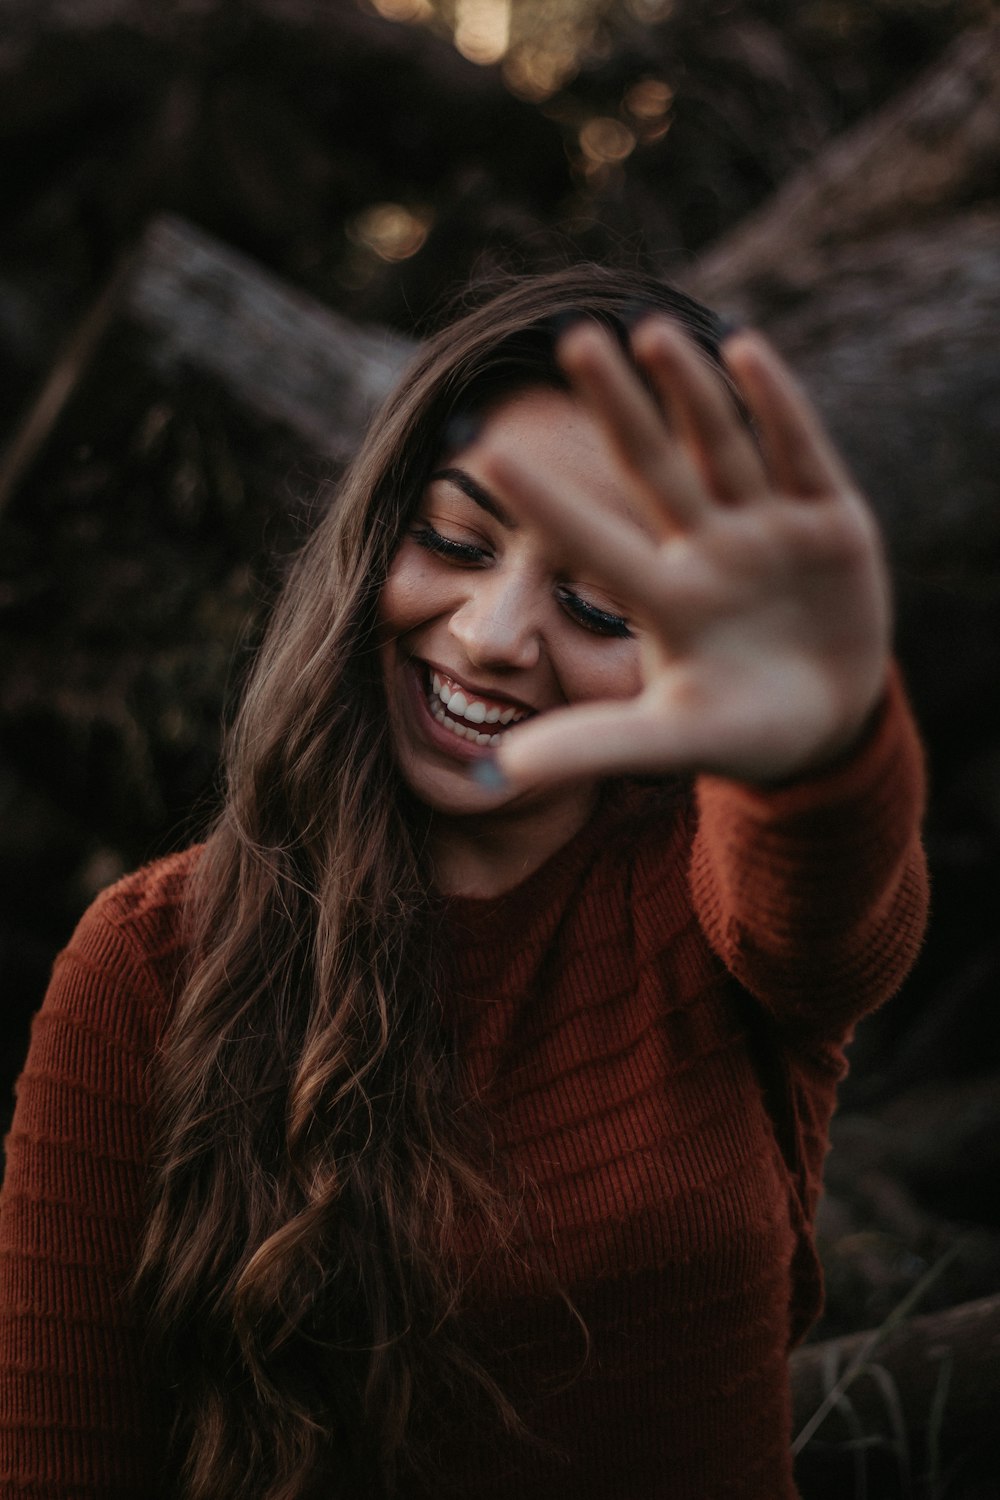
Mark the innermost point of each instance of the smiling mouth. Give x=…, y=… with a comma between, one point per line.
x=477, y=720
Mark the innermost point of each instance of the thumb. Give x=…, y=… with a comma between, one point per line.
x=581, y=743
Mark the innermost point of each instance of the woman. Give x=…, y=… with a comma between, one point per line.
x=452, y=1121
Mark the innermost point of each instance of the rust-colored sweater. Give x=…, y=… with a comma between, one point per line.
x=674, y=1127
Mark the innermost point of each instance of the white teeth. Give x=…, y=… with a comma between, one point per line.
x=473, y=711
x=460, y=730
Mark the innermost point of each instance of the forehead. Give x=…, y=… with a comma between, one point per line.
x=554, y=433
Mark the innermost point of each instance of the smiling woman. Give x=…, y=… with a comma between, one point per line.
x=451, y=1122
x=483, y=621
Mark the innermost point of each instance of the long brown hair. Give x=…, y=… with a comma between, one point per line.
x=315, y=1147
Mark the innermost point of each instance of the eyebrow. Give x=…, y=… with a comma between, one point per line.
x=469, y=486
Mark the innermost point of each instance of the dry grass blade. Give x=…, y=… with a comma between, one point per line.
x=935, y=1425
x=901, y=1311
x=897, y=1421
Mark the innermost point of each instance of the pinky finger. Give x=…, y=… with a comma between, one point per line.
x=801, y=456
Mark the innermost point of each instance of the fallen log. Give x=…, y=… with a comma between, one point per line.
x=153, y=492
x=929, y=153
x=926, y=1393
x=897, y=344
x=941, y=1139
x=184, y=312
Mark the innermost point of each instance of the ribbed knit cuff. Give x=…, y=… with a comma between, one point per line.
x=810, y=888
x=886, y=764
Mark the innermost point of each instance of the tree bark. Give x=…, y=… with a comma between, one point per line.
x=157, y=488
x=897, y=344
x=185, y=311
x=931, y=1385
x=932, y=152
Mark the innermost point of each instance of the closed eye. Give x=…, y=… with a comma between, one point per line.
x=445, y=546
x=600, y=621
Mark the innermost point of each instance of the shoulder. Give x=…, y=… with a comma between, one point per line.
x=121, y=966
x=143, y=909
x=147, y=901
x=85, y=1086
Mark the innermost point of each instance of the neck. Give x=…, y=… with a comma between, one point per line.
x=489, y=854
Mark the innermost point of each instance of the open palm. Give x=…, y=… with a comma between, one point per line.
x=755, y=578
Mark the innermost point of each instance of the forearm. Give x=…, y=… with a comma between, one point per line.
x=815, y=894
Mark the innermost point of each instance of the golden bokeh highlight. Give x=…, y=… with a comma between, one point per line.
x=539, y=43
x=647, y=103
x=413, y=11
x=536, y=73
x=390, y=230
x=482, y=29
x=605, y=141
x=649, y=98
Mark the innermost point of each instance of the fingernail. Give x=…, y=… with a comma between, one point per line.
x=487, y=774
x=461, y=430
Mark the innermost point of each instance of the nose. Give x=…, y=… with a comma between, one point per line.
x=499, y=624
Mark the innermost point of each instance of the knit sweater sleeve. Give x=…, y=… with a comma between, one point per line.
x=79, y=1405
x=814, y=895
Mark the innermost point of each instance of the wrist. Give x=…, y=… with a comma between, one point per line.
x=835, y=754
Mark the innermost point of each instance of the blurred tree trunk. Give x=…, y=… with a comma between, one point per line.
x=875, y=272
x=925, y=1393
x=925, y=155
x=897, y=343
x=186, y=314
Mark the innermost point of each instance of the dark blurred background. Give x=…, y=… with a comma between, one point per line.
x=224, y=225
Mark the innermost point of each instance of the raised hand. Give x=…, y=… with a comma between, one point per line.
x=756, y=580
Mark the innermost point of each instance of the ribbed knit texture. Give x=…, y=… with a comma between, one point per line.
x=672, y=1129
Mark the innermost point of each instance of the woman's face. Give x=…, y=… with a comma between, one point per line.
x=482, y=623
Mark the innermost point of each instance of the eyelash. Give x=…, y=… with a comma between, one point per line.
x=599, y=621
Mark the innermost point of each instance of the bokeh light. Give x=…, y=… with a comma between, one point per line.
x=389, y=230
x=605, y=141
x=482, y=29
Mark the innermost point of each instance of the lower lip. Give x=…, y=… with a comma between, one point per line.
x=440, y=737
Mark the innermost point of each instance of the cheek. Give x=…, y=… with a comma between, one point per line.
x=604, y=671
x=389, y=605
x=406, y=597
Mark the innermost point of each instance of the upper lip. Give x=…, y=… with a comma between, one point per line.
x=471, y=690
